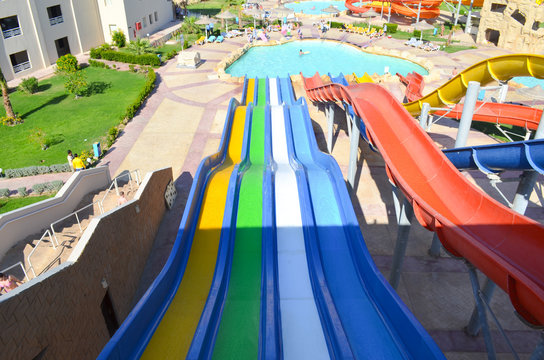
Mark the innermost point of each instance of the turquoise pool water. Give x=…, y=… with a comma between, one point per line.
x=529, y=81
x=324, y=57
x=315, y=7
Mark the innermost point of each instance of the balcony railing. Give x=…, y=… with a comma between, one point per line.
x=11, y=32
x=56, y=20
x=21, y=67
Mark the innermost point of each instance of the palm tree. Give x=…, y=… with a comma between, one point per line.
x=5, y=96
x=140, y=46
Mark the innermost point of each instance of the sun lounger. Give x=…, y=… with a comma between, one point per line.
x=417, y=44
x=236, y=32
x=201, y=40
x=219, y=39
x=410, y=42
x=211, y=39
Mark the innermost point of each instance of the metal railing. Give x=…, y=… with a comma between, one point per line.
x=75, y=213
x=115, y=184
x=21, y=67
x=15, y=265
x=56, y=20
x=11, y=32
x=47, y=232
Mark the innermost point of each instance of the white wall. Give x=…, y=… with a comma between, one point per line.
x=18, y=224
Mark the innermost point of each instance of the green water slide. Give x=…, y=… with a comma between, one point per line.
x=238, y=336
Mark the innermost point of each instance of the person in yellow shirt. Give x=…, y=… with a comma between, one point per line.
x=78, y=163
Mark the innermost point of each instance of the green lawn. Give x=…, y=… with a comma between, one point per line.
x=69, y=123
x=10, y=204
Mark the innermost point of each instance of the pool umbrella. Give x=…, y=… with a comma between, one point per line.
x=422, y=25
x=369, y=14
x=225, y=15
x=331, y=10
x=204, y=20
x=536, y=92
x=255, y=13
x=283, y=11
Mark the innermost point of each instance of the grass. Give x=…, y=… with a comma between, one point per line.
x=10, y=204
x=69, y=123
x=454, y=48
x=491, y=130
x=212, y=7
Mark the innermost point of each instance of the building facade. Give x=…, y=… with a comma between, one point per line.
x=515, y=25
x=35, y=33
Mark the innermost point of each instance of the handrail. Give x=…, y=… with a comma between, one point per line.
x=77, y=218
x=114, y=182
x=14, y=265
x=31, y=267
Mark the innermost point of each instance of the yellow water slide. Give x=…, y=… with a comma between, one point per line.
x=363, y=79
x=174, y=334
x=501, y=68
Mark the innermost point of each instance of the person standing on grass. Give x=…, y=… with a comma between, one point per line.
x=70, y=158
x=78, y=163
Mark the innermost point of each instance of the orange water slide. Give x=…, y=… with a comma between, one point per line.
x=429, y=8
x=503, y=244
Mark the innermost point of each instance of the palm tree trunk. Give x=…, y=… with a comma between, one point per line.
x=5, y=96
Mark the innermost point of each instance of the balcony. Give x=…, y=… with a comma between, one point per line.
x=11, y=32
x=56, y=20
x=21, y=67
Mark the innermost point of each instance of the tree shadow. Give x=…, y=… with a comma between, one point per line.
x=55, y=139
x=96, y=87
x=53, y=101
x=43, y=87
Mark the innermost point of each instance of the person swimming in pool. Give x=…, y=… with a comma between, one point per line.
x=303, y=52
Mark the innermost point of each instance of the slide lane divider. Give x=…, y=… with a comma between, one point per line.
x=241, y=312
x=274, y=91
x=335, y=336
x=175, y=332
x=130, y=340
x=204, y=335
x=302, y=333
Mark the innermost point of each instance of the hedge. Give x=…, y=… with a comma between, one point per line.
x=98, y=64
x=392, y=28
x=37, y=170
x=148, y=87
x=144, y=59
x=47, y=186
x=4, y=192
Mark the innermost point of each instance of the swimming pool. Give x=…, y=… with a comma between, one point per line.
x=528, y=81
x=315, y=7
x=324, y=56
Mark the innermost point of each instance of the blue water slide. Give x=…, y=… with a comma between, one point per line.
x=518, y=155
x=335, y=336
x=286, y=91
x=130, y=340
x=377, y=324
x=208, y=325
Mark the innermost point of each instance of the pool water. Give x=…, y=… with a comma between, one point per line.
x=529, y=81
x=324, y=57
x=315, y=7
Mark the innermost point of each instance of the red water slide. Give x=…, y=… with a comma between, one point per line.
x=429, y=8
x=506, y=246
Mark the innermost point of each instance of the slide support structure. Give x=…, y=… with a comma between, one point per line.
x=405, y=214
x=353, y=151
x=329, y=110
x=468, y=25
x=457, y=12
x=503, y=90
x=481, y=311
x=434, y=250
x=424, y=116
x=468, y=112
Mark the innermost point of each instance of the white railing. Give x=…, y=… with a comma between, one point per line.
x=56, y=20
x=47, y=232
x=21, y=67
x=15, y=265
x=114, y=183
x=11, y=32
x=75, y=213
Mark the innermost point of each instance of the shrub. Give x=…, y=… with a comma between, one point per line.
x=22, y=191
x=55, y=185
x=67, y=64
x=132, y=68
x=149, y=85
x=417, y=33
x=4, y=192
x=170, y=55
x=57, y=168
x=392, y=28
x=29, y=85
x=98, y=64
x=39, y=137
x=38, y=188
x=336, y=25
x=76, y=83
x=11, y=121
x=145, y=59
x=37, y=170
x=119, y=39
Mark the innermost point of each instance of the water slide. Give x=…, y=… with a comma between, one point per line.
x=503, y=244
x=500, y=68
x=429, y=9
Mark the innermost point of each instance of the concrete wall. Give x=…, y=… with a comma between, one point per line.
x=18, y=224
x=58, y=313
x=513, y=35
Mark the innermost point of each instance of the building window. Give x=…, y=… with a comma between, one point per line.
x=10, y=26
x=519, y=17
x=20, y=61
x=144, y=22
x=55, y=15
x=156, y=17
x=498, y=8
x=150, y=19
x=63, y=46
x=113, y=28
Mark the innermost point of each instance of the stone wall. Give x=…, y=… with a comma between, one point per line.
x=513, y=35
x=58, y=314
